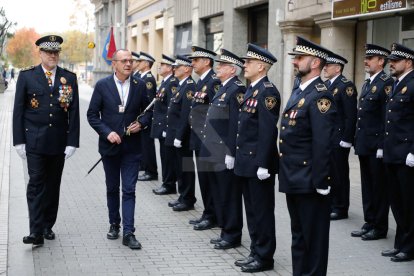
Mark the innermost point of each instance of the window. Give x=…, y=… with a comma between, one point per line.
x=214, y=33
x=258, y=25
x=183, y=39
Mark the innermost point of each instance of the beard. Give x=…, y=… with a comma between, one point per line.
x=302, y=72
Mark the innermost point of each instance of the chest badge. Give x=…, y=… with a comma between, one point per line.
x=335, y=91
x=302, y=102
x=350, y=91
x=204, y=88
x=270, y=102
x=240, y=97
x=404, y=90
x=222, y=97
x=149, y=85
x=374, y=89
x=255, y=93
x=34, y=103
x=387, y=90
x=324, y=105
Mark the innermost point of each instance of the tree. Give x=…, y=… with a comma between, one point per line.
x=21, y=49
x=5, y=24
x=75, y=47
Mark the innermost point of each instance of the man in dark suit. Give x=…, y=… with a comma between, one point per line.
x=218, y=149
x=305, y=151
x=345, y=95
x=369, y=144
x=256, y=162
x=46, y=132
x=149, y=160
x=116, y=103
x=178, y=137
x=165, y=92
x=207, y=86
x=399, y=151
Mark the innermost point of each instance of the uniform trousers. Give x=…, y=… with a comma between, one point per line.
x=43, y=189
x=205, y=188
x=309, y=222
x=149, y=159
x=123, y=166
x=401, y=191
x=163, y=159
x=259, y=202
x=341, y=183
x=227, y=198
x=374, y=193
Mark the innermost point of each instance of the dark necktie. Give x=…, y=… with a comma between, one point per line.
x=249, y=92
x=395, y=86
x=294, y=97
x=328, y=83
x=367, y=84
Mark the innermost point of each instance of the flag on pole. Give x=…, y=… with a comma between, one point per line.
x=109, y=47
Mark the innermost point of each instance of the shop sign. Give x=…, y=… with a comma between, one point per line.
x=358, y=8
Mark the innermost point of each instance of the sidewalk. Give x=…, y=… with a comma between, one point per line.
x=170, y=246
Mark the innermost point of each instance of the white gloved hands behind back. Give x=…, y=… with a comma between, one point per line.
x=380, y=153
x=344, y=144
x=324, y=191
x=262, y=173
x=21, y=150
x=69, y=151
x=229, y=161
x=410, y=160
x=177, y=143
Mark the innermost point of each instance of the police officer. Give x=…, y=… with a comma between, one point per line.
x=399, y=151
x=219, y=147
x=369, y=144
x=256, y=160
x=165, y=92
x=135, y=64
x=345, y=95
x=149, y=160
x=46, y=132
x=305, y=150
x=178, y=136
x=207, y=86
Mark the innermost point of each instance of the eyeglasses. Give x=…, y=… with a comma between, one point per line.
x=124, y=61
x=51, y=53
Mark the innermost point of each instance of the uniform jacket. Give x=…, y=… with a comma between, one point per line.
x=150, y=84
x=220, y=128
x=257, y=130
x=345, y=96
x=39, y=120
x=369, y=134
x=305, y=140
x=178, y=126
x=164, y=94
x=399, y=126
x=205, y=91
x=104, y=116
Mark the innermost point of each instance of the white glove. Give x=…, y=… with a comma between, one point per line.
x=177, y=143
x=21, y=150
x=345, y=144
x=229, y=161
x=324, y=191
x=164, y=134
x=262, y=173
x=69, y=151
x=410, y=160
x=379, y=153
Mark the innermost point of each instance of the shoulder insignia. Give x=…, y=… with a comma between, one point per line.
x=387, y=90
x=240, y=97
x=134, y=81
x=149, y=85
x=239, y=83
x=384, y=77
x=173, y=79
x=321, y=87
x=189, y=95
x=270, y=102
x=349, y=91
x=190, y=81
x=268, y=84
x=28, y=68
x=214, y=76
x=345, y=80
x=216, y=88
x=323, y=105
x=149, y=75
x=67, y=70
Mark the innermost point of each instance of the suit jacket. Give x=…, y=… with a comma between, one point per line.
x=39, y=119
x=305, y=140
x=220, y=128
x=164, y=94
x=399, y=126
x=369, y=135
x=205, y=91
x=345, y=96
x=178, y=126
x=104, y=116
x=257, y=130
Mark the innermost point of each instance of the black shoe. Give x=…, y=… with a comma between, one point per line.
x=113, y=233
x=373, y=235
x=204, y=225
x=173, y=203
x=164, y=191
x=216, y=240
x=35, y=239
x=182, y=207
x=401, y=257
x=390, y=252
x=359, y=233
x=245, y=261
x=196, y=221
x=338, y=216
x=49, y=234
x=130, y=241
x=147, y=177
x=256, y=266
x=226, y=245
